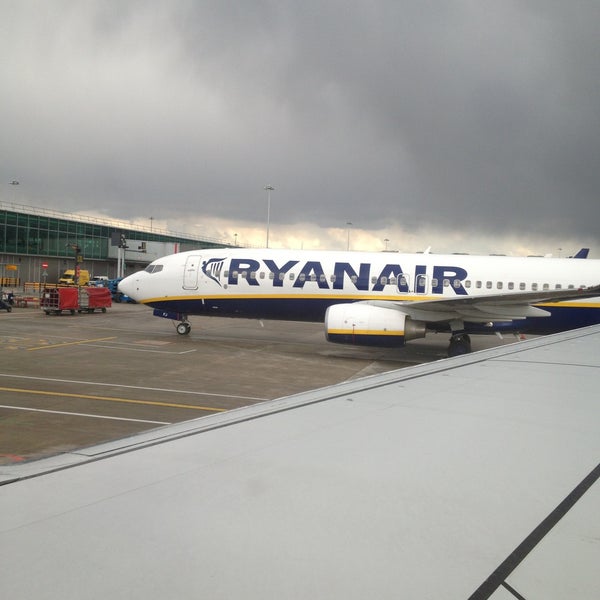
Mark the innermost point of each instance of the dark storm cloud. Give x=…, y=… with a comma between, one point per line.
x=459, y=115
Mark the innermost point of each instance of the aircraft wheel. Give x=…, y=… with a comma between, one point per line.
x=459, y=344
x=183, y=328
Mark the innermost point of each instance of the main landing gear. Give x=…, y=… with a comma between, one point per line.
x=460, y=343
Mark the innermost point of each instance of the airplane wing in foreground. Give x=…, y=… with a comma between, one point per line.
x=472, y=477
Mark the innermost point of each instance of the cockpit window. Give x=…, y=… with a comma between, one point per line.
x=153, y=268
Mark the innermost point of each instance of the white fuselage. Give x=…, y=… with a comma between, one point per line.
x=301, y=285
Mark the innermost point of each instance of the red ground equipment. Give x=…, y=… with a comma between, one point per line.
x=55, y=300
x=91, y=298
x=83, y=299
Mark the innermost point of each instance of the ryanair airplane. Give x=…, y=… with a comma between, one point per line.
x=375, y=298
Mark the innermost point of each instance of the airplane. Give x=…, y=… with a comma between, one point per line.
x=374, y=298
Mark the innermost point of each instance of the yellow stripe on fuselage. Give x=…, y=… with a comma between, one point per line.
x=377, y=332
x=570, y=304
x=354, y=297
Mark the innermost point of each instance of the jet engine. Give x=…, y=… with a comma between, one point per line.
x=366, y=325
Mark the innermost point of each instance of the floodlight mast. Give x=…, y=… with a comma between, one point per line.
x=268, y=189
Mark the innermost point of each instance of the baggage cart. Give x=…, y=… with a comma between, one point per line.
x=92, y=298
x=55, y=300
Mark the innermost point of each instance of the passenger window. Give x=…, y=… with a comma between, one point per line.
x=546, y=286
x=271, y=275
x=488, y=285
x=499, y=285
x=302, y=277
x=313, y=277
x=478, y=284
x=354, y=279
x=534, y=287
x=383, y=281
x=467, y=283
x=511, y=285
x=446, y=282
x=434, y=282
x=558, y=286
x=393, y=281
x=244, y=274
x=522, y=286
x=252, y=274
x=322, y=278
x=281, y=276
x=292, y=277
x=404, y=281
x=456, y=283
x=333, y=278
x=373, y=279
x=571, y=287
x=262, y=275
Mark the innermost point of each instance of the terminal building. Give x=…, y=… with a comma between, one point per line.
x=39, y=244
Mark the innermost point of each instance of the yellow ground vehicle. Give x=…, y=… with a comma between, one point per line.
x=68, y=277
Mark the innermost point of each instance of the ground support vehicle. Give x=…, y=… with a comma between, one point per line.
x=117, y=296
x=68, y=277
x=5, y=304
x=55, y=300
x=86, y=299
x=92, y=298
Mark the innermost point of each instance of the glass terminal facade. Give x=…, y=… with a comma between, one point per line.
x=30, y=235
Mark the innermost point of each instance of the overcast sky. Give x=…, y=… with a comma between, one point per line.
x=465, y=125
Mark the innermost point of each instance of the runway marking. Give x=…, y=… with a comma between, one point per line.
x=133, y=387
x=71, y=343
x=126, y=349
x=76, y=414
x=109, y=399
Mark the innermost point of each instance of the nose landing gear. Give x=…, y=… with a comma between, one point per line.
x=184, y=327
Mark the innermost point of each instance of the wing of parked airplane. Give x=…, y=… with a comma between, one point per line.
x=473, y=477
x=492, y=307
x=382, y=320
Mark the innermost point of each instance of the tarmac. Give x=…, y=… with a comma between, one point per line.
x=71, y=381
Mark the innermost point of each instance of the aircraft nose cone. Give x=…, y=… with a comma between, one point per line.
x=128, y=286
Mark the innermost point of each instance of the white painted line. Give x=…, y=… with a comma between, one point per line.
x=74, y=414
x=129, y=349
x=132, y=387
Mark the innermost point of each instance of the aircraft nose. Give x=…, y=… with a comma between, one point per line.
x=128, y=286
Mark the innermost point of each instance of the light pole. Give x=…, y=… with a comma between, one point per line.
x=235, y=239
x=348, y=225
x=14, y=183
x=268, y=189
x=386, y=243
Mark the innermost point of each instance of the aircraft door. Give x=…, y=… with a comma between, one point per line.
x=190, y=273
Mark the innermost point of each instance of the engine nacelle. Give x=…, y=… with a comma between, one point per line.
x=366, y=325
